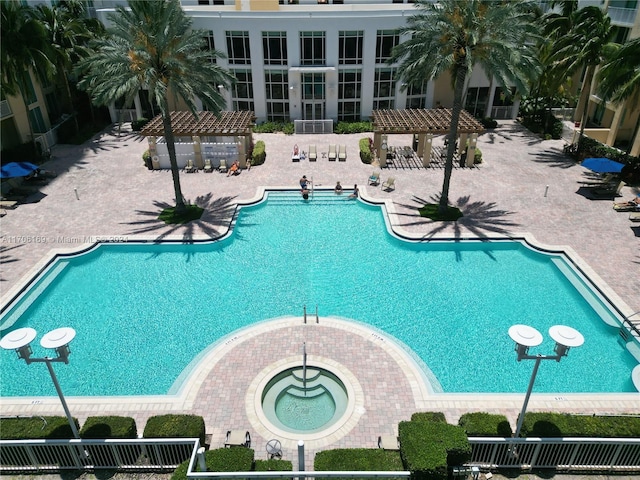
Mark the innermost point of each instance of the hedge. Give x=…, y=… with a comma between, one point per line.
x=273, y=465
x=541, y=424
x=258, y=156
x=428, y=417
x=137, y=125
x=364, y=459
x=172, y=426
x=365, y=150
x=111, y=427
x=482, y=424
x=352, y=127
x=36, y=428
x=234, y=459
x=428, y=448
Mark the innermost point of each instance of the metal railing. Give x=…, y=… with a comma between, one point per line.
x=567, y=454
x=608, y=454
x=313, y=126
x=127, y=455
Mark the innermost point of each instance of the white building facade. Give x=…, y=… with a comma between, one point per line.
x=314, y=60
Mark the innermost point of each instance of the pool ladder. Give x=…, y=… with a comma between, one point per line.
x=304, y=315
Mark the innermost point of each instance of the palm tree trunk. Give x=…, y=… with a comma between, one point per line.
x=175, y=172
x=584, y=101
x=65, y=79
x=453, y=134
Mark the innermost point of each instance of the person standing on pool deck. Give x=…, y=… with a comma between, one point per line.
x=356, y=192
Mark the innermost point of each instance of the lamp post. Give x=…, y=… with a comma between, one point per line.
x=525, y=337
x=58, y=339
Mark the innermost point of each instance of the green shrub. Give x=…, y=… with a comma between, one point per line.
x=428, y=448
x=541, y=424
x=175, y=426
x=556, y=129
x=258, y=155
x=482, y=424
x=273, y=465
x=235, y=459
x=352, y=127
x=428, y=417
x=288, y=128
x=274, y=127
x=36, y=428
x=365, y=150
x=365, y=459
x=488, y=122
x=137, y=125
x=109, y=427
x=477, y=156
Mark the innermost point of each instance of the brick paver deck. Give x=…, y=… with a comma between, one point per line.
x=525, y=187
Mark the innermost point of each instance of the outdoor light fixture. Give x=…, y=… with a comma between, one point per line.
x=526, y=337
x=384, y=144
x=58, y=340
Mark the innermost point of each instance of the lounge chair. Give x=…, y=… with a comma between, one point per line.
x=388, y=442
x=332, y=153
x=389, y=184
x=3, y=212
x=342, y=153
x=8, y=203
x=607, y=192
x=295, y=156
x=190, y=168
x=223, y=166
x=374, y=179
x=630, y=206
x=313, y=153
x=237, y=438
x=207, y=166
x=634, y=216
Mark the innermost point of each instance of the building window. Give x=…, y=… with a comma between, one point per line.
x=476, y=103
x=242, y=91
x=37, y=121
x=417, y=96
x=351, y=48
x=384, y=87
x=238, y=51
x=385, y=41
x=30, y=94
x=313, y=86
x=349, y=92
x=312, y=48
x=53, y=106
x=210, y=46
x=274, y=46
x=277, y=89
x=203, y=2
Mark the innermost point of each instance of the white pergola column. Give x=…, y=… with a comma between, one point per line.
x=425, y=142
x=471, y=150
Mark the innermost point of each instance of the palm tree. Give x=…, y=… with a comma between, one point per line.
x=151, y=46
x=619, y=78
x=453, y=36
x=585, y=46
x=69, y=33
x=23, y=49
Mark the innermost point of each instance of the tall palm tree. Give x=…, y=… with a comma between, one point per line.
x=455, y=35
x=151, y=46
x=585, y=46
x=69, y=33
x=619, y=78
x=23, y=49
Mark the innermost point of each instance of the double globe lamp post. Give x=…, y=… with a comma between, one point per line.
x=58, y=339
x=526, y=337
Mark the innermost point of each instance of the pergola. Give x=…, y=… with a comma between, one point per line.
x=184, y=124
x=424, y=124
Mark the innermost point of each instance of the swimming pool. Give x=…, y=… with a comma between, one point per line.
x=142, y=312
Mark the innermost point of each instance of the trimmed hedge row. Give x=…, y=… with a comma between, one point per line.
x=235, y=459
x=366, y=155
x=364, y=459
x=482, y=424
x=259, y=155
x=540, y=424
x=36, y=428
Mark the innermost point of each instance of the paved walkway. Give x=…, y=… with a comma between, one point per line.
x=525, y=187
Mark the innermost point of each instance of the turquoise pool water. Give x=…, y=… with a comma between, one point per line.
x=142, y=312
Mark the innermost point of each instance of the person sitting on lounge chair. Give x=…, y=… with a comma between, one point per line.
x=234, y=169
x=630, y=205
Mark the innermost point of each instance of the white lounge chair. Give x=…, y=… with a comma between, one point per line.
x=332, y=153
x=374, y=179
x=313, y=153
x=237, y=438
x=190, y=168
x=207, y=166
x=389, y=184
x=342, y=153
x=223, y=166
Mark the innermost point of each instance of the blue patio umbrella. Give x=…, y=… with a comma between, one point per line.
x=602, y=165
x=17, y=169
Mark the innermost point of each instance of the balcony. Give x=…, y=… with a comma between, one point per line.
x=622, y=17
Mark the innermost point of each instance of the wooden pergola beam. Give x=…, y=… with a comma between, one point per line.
x=436, y=121
x=184, y=124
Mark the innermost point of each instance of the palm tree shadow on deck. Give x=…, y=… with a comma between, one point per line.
x=479, y=218
x=6, y=257
x=214, y=222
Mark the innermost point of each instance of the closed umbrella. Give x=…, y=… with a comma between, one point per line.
x=602, y=165
x=17, y=169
